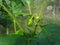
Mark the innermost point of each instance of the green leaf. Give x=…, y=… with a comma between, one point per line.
x=50, y=35
x=17, y=7
x=5, y=4
x=14, y=6
x=12, y=40
x=8, y=40
x=20, y=32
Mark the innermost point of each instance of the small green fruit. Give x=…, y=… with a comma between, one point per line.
x=30, y=21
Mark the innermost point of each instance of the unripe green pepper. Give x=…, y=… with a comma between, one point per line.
x=30, y=21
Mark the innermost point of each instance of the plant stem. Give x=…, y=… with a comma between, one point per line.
x=40, y=14
x=12, y=16
x=42, y=8
x=29, y=8
x=35, y=29
x=7, y=30
x=28, y=41
x=14, y=26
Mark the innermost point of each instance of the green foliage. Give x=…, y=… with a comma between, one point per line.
x=5, y=20
x=8, y=40
x=48, y=36
x=15, y=8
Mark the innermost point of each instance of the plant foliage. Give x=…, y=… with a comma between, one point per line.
x=11, y=10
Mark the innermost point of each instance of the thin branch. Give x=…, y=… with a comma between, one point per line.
x=42, y=8
x=29, y=8
x=12, y=16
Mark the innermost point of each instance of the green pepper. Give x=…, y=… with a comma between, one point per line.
x=30, y=21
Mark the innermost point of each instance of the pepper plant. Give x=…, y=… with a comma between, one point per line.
x=14, y=9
